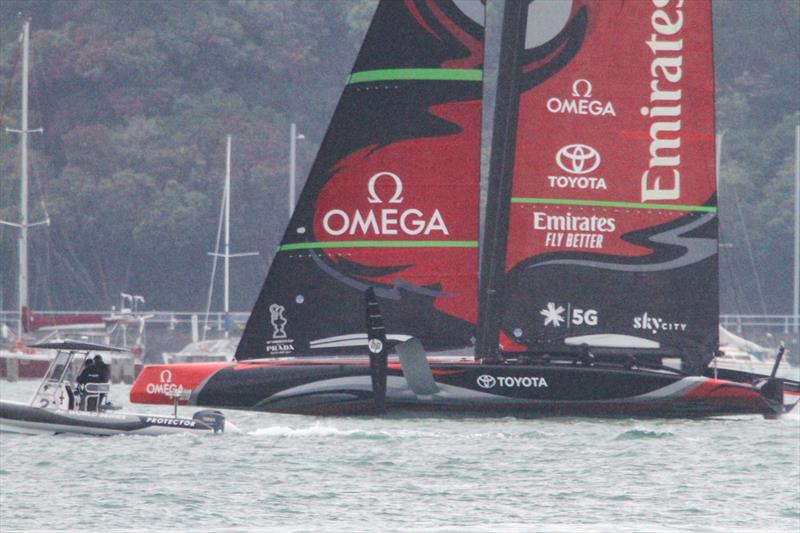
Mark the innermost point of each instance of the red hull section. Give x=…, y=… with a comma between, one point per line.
x=156, y=382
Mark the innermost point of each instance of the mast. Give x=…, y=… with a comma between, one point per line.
x=227, y=195
x=718, y=150
x=293, y=138
x=23, y=225
x=23, y=173
x=227, y=255
x=501, y=173
x=796, y=300
x=292, y=170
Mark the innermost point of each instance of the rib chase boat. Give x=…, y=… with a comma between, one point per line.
x=57, y=407
x=598, y=287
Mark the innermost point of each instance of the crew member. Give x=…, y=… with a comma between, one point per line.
x=87, y=375
x=104, y=371
x=103, y=375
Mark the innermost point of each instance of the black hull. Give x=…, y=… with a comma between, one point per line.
x=23, y=418
x=344, y=388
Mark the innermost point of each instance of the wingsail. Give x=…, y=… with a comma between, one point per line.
x=392, y=199
x=603, y=180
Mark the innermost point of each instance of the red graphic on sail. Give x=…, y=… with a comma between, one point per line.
x=418, y=191
x=629, y=119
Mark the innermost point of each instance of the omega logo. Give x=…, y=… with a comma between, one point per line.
x=581, y=102
x=398, y=189
x=576, y=88
x=166, y=386
x=384, y=220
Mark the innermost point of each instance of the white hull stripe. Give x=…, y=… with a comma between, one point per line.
x=612, y=340
x=677, y=389
x=353, y=339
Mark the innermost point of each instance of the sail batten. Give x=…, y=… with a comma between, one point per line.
x=606, y=203
x=436, y=74
x=377, y=244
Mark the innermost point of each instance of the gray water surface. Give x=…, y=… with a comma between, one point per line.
x=295, y=473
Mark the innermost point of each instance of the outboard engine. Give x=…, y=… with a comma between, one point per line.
x=211, y=418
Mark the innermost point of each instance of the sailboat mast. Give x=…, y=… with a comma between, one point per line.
x=292, y=166
x=227, y=194
x=796, y=300
x=23, y=172
x=23, y=224
x=501, y=171
x=225, y=218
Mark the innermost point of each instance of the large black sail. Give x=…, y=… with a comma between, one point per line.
x=392, y=198
x=604, y=194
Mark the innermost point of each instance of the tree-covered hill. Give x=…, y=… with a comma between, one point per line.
x=757, y=60
x=136, y=99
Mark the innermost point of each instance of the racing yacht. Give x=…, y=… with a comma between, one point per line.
x=598, y=256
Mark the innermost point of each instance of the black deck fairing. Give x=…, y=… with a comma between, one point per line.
x=344, y=388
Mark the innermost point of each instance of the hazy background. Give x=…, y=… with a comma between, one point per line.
x=136, y=98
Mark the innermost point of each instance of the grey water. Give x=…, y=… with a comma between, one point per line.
x=295, y=473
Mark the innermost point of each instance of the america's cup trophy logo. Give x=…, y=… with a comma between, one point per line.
x=278, y=321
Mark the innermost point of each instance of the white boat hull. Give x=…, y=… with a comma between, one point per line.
x=22, y=418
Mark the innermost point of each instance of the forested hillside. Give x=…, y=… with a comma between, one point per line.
x=136, y=98
x=757, y=60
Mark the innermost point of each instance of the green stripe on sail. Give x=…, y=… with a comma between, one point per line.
x=628, y=205
x=377, y=244
x=393, y=74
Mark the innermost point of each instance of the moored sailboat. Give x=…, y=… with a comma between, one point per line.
x=599, y=253
x=221, y=349
x=737, y=353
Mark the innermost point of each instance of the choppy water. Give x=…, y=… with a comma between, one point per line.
x=292, y=473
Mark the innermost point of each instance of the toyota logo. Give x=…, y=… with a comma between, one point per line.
x=578, y=159
x=485, y=381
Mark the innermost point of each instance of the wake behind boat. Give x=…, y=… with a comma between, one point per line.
x=63, y=404
x=599, y=255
